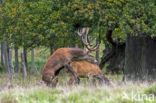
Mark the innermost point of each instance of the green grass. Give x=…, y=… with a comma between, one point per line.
x=151, y=90
x=25, y=90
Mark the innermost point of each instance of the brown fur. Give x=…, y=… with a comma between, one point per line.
x=84, y=68
x=59, y=58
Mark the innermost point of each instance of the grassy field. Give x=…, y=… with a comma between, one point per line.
x=25, y=90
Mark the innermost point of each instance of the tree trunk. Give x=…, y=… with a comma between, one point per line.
x=51, y=50
x=25, y=57
x=10, y=59
x=16, y=59
x=113, y=55
x=33, y=62
x=72, y=43
x=51, y=47
x=32, y=59
x=6, y=57
x=2, y=53
x=116, y=62
x=108, y=53
x=24, y=65
x=140, y=57
x=97, y=54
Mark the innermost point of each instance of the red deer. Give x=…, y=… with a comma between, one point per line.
x=86, y=69
x=62, y=57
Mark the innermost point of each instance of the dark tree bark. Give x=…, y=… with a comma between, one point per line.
x=72, y=42
x=23, y=65
x=140, y=58
x=109, y=54
x=113, y=54
x=10, y=59
x=32, y=59
x=52, y=47
x=116, y=62
x=2, y=53
x=33, y=68
x=16, y=59
x=97, y=53
x=51, y=50
x=25, y=57
x=6, y=57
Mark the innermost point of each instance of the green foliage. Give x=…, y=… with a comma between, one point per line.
x=52, y=23
x=139, y=18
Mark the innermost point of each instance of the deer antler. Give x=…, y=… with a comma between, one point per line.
x=83, y=33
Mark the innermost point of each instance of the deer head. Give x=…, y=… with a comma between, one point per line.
x=83, y=33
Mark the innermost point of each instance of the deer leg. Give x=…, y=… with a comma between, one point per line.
x=55, y=81
x=73, y=73
x=92, y=80
x=71, y=80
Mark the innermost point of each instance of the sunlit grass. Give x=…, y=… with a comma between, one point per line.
x=25, y=90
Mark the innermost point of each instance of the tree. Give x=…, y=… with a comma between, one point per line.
x=103, y=18
x=16, y=59
x=139, y=25
x=52, y=23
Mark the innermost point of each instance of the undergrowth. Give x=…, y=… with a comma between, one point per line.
x=26, y=90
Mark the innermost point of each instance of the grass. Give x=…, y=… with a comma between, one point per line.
x=151, y=90
x=25, y=90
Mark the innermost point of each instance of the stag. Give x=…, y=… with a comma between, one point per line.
x=84, y=68
x=62, y=57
